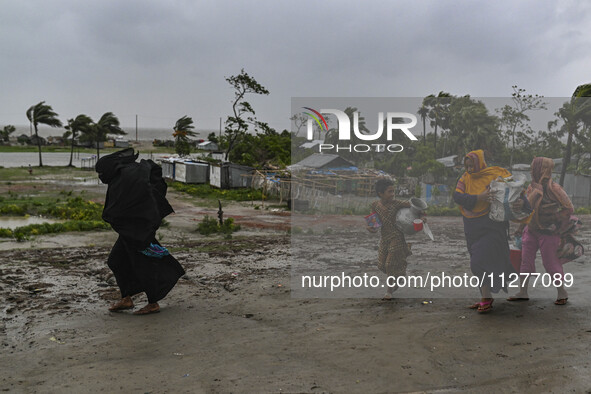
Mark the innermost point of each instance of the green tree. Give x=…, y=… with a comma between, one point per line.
x=42, y=113
x=583, y=90
x=269, y=149
x=583, y=93
x=243, y=115
x=5, y=133
x=98, y=132
x=514, y=119
x=299, y=121
x=183, y=129
x=470, y=127
x=438, y=109
x=81, y=124
x=213, y=138
x=424, y=162
x=575, y=115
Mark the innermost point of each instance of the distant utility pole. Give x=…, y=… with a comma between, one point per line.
x=220, y=127
x=136, y=128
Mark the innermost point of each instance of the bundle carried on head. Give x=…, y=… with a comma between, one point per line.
x=108, y=166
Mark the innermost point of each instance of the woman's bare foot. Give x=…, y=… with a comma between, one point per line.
x=122, y=304
x=150, y=308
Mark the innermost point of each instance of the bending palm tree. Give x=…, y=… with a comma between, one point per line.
x=82, y=123
x=182, y=130
x=107, y=124
x=42, y=114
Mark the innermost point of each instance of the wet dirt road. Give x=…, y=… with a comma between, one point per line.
x=232, y=325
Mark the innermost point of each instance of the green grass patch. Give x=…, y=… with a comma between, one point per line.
x=208, y=192
x=583, y=211
x=75, y=208
x=25, y=232
x=78, y=213
x=70, y=208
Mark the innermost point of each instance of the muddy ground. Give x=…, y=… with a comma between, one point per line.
x=232, y=324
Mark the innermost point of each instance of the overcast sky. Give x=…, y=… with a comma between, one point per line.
x=165, y=59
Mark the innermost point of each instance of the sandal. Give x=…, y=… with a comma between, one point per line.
x=561, y=301
x=485, y=306
x=150, y=308
x=478, y=304
x=121, y=305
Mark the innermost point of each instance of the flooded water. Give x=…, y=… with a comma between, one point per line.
x=13, y=222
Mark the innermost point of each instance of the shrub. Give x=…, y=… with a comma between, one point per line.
x=76, y=209
x=207, y=191
x=210, y=226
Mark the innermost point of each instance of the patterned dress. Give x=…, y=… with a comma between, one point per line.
x=393, y=249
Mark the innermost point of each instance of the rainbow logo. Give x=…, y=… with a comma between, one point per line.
x=316, y=118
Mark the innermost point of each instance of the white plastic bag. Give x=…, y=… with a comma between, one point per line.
x=506, y=192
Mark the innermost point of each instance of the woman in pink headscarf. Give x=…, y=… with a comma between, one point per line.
x=551, y=218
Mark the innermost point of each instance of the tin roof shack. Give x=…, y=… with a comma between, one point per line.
x=191, y=172
x=217, y=156
x=207, y=145
x=333, y=174
x=311, y=144
x=319, y=161
x=168, y=168
x=331, y=184
x=230, y=175
x=121, y=143
x=273, y=183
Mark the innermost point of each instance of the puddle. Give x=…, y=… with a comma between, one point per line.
x=13, y=222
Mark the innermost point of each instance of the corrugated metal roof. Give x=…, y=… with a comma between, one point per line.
x=311, y=144
x=319, y=160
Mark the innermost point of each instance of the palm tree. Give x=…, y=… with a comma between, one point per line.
x=82, y=123
x=107, y=124
x=423, y=112
x=583, y=90
x=438, y=111
x=42, y=114
x=183, y=129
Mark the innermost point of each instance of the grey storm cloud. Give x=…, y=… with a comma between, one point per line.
x=165, y=59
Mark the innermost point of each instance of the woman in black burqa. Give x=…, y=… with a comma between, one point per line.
x=134, y=207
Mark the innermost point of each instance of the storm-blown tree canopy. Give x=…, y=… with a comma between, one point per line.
x=97, y=133
x=183, y=129
x=42, y=113
x=6, y=131
x=81, y=124
x=243, y=114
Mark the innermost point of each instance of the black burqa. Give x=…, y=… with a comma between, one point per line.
x=134, y=207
